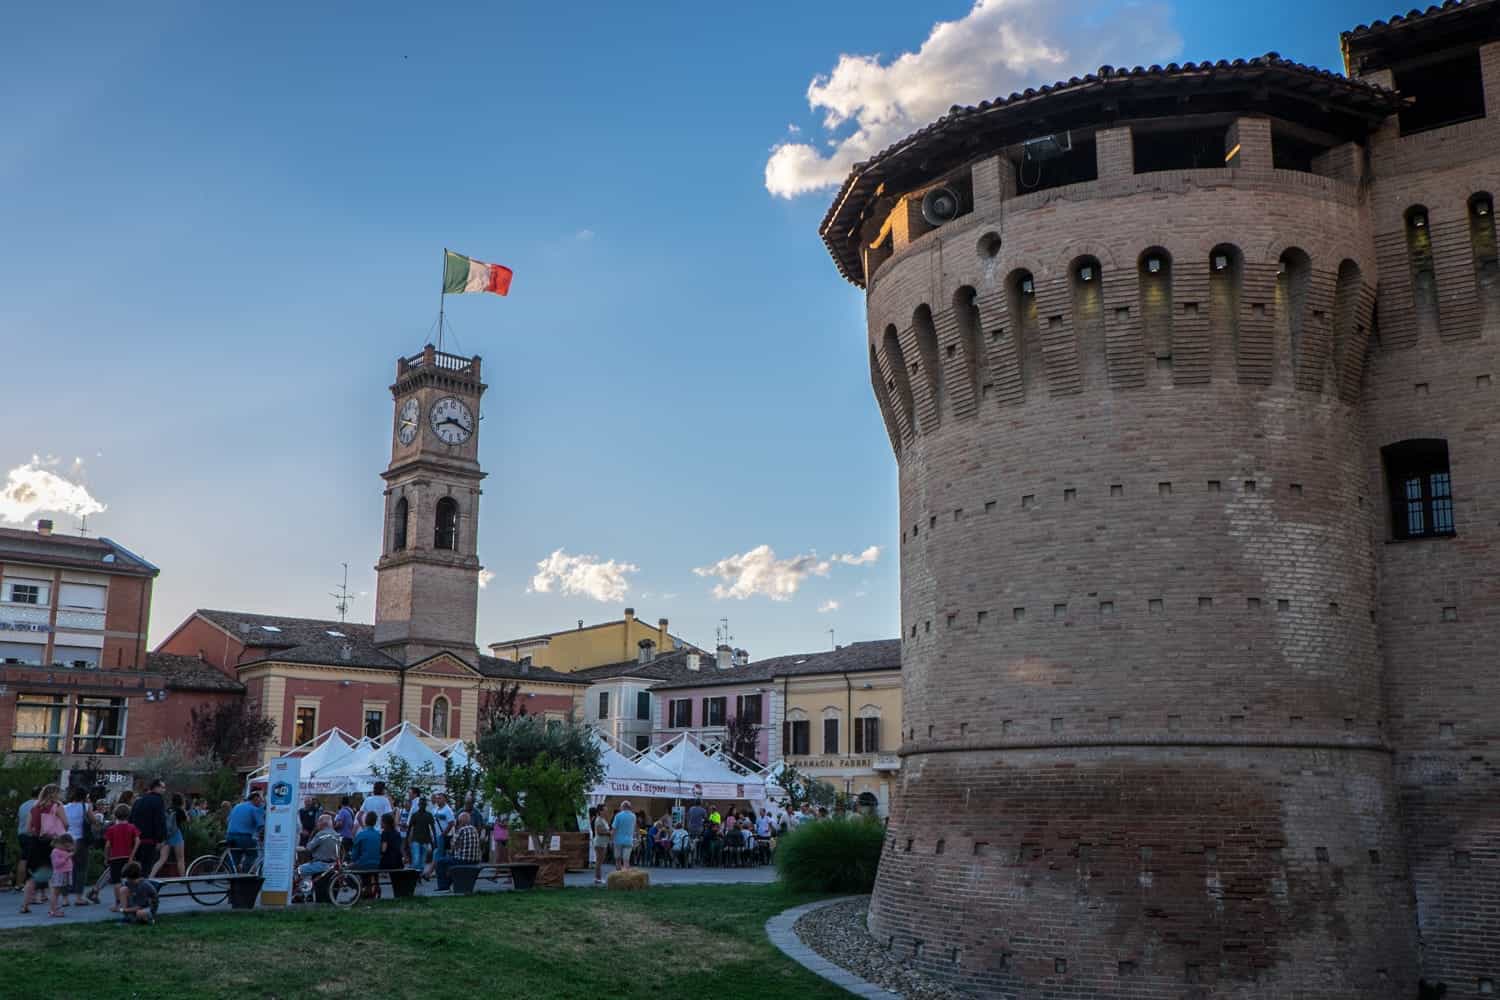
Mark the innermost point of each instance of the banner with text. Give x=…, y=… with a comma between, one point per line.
x=283, y=792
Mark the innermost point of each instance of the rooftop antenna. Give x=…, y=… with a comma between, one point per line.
x=83, y=525
x=721, y=634
x=341, y=596
x=831, y=643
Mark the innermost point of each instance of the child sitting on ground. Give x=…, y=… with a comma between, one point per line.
x=140, y=896
x=62, y=873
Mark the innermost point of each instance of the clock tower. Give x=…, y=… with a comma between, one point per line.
x=427, y=579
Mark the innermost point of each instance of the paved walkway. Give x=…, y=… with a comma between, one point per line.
x=779, y=930
x=10, y=902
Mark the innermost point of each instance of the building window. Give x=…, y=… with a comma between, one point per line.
x=1178, y=149
x=77, y=657
x=1421, y=488
x=25, y=593
x=440, y=717
x=307, y=724
x=1447, y=91
x=40, y=723
x=713, y=711
x=446, y=536
x=643, y=705
x=374, y=722
x=398, y=528
x=680, y=713
x=867, y=735
x=99, y=727
x=642, y=741
x=748, y=706
x=830, y=736
x=603, y=704
x=801, y=737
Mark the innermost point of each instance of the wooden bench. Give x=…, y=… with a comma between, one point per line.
x=210, y=890
x=521, y=874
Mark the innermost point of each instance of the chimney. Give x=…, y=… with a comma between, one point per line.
x=693, y=662
x=741, y=657
x=661, y=637
x=726, y=657
x=44, y=526
x=630, y=614
x=647, y=651
x=346, y=652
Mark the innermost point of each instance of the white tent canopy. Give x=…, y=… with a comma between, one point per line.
x=354, y=770
x=458, y=753
x=332, y=748
x=677, y=769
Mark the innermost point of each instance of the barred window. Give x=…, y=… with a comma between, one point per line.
x=1421, y=488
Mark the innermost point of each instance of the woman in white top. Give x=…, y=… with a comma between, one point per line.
x=77, y=812
x=375, y=803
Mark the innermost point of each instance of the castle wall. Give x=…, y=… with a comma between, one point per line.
x=1143, y=690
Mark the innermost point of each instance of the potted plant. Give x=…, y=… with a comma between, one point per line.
x=547, y=795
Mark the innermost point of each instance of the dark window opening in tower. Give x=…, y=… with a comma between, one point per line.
x=1423, y=271
x=1177, y=149
x=1020, y=288
x=1421, y=488
x=1347, y=334
x=1486, y=262
x=895, y=359
x=1444, y=90
x=398, y=526
x=1087, y=286
x=1040, y=168
x=1290, y=152
x=446, y=535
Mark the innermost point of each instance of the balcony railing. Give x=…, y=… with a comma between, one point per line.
x=431, y=357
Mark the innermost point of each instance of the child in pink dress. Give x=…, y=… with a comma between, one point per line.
x=62, y=873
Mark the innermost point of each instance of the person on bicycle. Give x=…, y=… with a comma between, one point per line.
x=247, y=822
x=322, y=848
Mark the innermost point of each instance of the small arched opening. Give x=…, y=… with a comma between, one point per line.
x=446, y=523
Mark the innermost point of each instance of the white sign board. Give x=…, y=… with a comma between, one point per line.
x=283, y=793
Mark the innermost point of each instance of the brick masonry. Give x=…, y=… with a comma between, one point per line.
x=1180, y=719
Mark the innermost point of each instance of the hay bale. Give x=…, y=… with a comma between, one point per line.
x=629, y=880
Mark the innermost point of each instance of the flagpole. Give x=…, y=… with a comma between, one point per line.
x=442, y=297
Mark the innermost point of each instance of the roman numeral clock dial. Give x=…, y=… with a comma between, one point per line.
x=452, y=420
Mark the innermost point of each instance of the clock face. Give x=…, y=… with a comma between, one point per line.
x=452, y=420
x=406, y=422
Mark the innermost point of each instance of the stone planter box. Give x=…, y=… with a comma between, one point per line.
x=550, y=868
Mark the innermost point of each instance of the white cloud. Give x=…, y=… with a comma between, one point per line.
x=828, y=606
x=760, y=572
x=869, y=555
x=34, y=488
x=584, y=235
x=603, y=581
x=485, y=576
x=999, y=47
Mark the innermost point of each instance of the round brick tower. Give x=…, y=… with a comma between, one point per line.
x=1117, y=331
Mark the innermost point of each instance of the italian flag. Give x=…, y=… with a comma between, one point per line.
x=463, y=274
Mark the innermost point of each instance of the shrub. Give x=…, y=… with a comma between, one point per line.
x=831, y=855
x=202, y=836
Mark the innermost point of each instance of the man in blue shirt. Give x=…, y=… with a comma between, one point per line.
x=624, y=831
x=247, y=823
x=366, y=845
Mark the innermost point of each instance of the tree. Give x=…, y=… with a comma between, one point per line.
x=461, y=779
x=522, y=740
x=177, y=765
x=20, y=774
x=230, y=731
x=499, y=704
x=400, y=777
x=800, y=788
x=742, y=739
x=547, y=794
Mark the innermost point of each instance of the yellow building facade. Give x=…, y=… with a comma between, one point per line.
x=588, y=645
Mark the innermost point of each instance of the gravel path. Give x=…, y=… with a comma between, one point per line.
x=838, y=934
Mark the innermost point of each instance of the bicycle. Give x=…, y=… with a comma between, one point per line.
x=210, y=893
x=343, y=886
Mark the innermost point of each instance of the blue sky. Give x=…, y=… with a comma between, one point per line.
x=222, y=225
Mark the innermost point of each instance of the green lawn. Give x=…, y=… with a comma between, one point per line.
x=684, y=941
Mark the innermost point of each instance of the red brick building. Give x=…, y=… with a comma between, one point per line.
x=1190, y=376
x=76, y=681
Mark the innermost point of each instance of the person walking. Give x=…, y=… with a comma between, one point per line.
x=343, y=824
x=77, y=812
x=175, y=846
x=599, y=841
x=420, y=833
x=444, y=817
x=121, y=839
x=624, y=831
x=149, y=814
x=44, y=822
x=23, y=837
